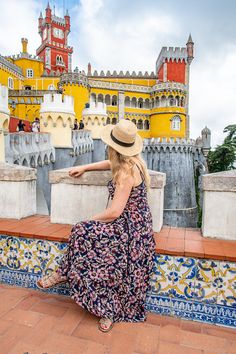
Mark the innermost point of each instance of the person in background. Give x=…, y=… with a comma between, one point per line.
x=36, y=126
x=75, y=125
x=81, y=125
x=20, y=126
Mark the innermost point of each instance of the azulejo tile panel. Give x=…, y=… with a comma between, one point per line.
x=186, y=287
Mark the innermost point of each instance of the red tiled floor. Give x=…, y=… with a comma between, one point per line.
x=37, y=329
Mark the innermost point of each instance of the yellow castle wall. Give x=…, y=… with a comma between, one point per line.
x=81, y=96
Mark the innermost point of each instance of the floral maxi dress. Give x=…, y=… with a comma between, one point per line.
x=108, y=265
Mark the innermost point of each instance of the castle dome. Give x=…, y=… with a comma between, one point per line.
x=206, y=130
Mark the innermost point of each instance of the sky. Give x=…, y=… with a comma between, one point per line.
x=129, y=34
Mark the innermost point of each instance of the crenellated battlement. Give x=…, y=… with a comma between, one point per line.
x=127, y=74
x=171, y=53
x=57, y=103
x=4, y=63
x=4, y=99
x=171, y=144
x=25, y=56
x=77, y=77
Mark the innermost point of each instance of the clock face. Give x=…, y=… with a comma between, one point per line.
x=45, y=33
x=57, y=32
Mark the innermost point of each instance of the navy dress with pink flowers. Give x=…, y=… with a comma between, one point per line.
x=108, y=265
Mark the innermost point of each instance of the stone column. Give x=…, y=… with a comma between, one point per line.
x=121, y=104
x=17, y=191
x=78, y=199
x=4, y=119
x=219, y=205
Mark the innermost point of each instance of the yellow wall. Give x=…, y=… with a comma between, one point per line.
x=161, y=125
x=81, y=96
x=5, y=74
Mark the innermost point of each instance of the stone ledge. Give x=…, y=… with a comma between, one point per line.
x=221, y=181
x=99, y=178
x=16, y=173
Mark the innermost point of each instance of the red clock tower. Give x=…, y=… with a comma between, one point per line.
x=54, y=50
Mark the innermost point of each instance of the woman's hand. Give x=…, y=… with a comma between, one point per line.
x=77, y=171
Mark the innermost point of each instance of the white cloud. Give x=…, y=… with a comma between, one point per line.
x=18, y=19
x=212, y=94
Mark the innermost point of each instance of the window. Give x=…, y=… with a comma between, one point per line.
x=175, y=123
x=10, y=83
x=59, y=60
x=29, y=73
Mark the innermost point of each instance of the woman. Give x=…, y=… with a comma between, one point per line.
x=21, y=126
x=109, y=258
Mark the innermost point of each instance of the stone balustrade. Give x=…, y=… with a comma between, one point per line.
x=82, y=141
x=29, y=149
x=219, y=205
x=17, y=191
x=77, y=199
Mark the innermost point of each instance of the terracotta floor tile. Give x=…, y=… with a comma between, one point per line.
x=154, y=319
x=96, y=348
x=173, y=348
x=193, y=248
x=69, y=321
x=193, y=235
x=213, y=250
x=26, y=318
x=202, y=341
x=176, y=233
x=49, y=309
x=170, y=333
x=121, y=340
x=147, y=339
x=128, y=328
x=12, y=336
x=191, y=326
x=27, y=302
x=4, y=326
x=92, y=333
x=220, y=332
x=59, y=343
x=161, y=245
x=22, y=347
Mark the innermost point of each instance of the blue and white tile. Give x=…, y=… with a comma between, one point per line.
x=161, y=281
x=206, y=281
x=227, y=284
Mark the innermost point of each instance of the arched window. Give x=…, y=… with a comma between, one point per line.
x=114, y=101
x=29, y=73
x=157, y=102
x=171, y=101
x=93, y=97
x=163, y=101
x=10, y=83
x=108, y=120
x=108, y=100
x=114, y=121
x=175, y=122
x=134, y=121
x=147, y=103
x=177, y=100
x=146, y=124
x=100, y=97
x=134, y=102
x=140, y=124
x=140, y=103
x=182, y=102
x=127, y=101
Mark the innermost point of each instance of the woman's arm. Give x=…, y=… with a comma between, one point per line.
x=79, y=170
x=121, y=196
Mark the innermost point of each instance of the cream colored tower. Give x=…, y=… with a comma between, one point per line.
x=57, y=117
x=4, y=119
x=94, y=118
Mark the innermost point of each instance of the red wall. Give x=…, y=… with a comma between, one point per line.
x=13, y=124
x=176, y=71
x=160, y=73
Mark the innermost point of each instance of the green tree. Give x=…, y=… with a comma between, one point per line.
x=224, y=156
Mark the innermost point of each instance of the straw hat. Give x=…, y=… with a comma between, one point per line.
x=123, y=137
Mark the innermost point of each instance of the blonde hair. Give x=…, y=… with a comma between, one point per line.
x=122, y=165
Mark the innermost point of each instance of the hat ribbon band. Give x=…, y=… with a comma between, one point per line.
x=121, y=143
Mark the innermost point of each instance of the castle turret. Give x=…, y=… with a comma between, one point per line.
x=190, y=45
x=24, y=42
x=206, y=141
x=89, y=69
x=94, y=118
x=57, y=117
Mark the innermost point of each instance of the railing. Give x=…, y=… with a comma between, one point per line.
x=29, y=149
x=21, y=93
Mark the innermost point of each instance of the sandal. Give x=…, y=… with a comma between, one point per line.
x=49, y=281
x=105, y=324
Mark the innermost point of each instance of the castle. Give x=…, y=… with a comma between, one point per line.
x=157, y=102
x=45, y=86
